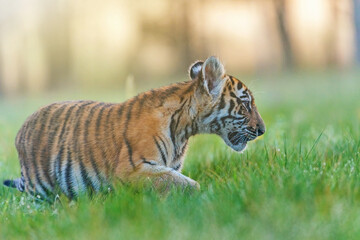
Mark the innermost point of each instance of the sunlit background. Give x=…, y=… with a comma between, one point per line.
x=72, y=44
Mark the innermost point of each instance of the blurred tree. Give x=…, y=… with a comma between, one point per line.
x=357, y=28
x=280, y=10
x=57, y=45
x=185, y=33
x=1, y=82
x=180, y=28
x=332, y=58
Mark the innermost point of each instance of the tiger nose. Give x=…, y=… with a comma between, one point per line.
x=260, y=129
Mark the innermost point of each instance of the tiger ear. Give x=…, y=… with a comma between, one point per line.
x=213, y=74
x=195, y=69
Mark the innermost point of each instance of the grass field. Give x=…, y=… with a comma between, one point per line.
x=300, y=181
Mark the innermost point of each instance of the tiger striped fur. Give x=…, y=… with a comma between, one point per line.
x=81, y=147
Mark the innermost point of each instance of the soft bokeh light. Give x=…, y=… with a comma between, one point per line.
x=45, y=45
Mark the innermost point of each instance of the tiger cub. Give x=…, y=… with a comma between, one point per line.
x=79, y=147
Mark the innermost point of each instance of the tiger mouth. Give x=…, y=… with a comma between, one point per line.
x=240, y=138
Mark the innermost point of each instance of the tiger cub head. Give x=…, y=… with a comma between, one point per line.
x=226, y=106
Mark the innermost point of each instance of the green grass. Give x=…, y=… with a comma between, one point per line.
x=300, y=181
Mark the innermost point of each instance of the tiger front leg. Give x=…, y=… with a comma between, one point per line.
x=164, y=178
x=173, y=178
